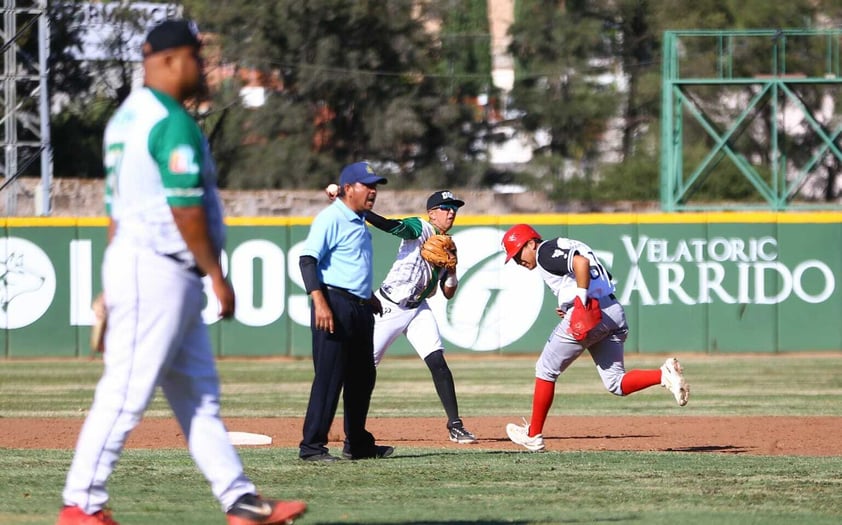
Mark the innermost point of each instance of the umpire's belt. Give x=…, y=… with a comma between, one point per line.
x=408, y=304
x=192, y=268
x=346, y=294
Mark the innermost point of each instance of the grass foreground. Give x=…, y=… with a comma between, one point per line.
x=474, y=487
x=469, y=486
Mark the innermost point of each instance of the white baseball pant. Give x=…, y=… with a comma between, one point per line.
x=605, y=343
x=155, y=336
x=418, y=324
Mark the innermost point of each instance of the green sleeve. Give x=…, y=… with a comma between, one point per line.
x=409, y=228
x=176, y=145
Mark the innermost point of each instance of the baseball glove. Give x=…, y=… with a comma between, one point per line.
x=584, y=318
x=98, y=328
x=440, y=250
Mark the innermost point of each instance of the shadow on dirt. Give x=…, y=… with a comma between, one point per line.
x=710, y=448
x=478, y=522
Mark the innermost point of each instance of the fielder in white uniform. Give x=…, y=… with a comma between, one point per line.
x=571, y=269
x=165, y=233
x=404, y=293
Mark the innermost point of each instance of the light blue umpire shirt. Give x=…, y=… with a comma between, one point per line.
x=341, y=244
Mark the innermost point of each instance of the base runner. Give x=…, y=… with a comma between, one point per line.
x=591, y=318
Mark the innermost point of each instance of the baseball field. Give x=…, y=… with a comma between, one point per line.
x=759, y=442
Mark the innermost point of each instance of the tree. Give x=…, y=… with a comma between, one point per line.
x=752, y=57
x=87, y=91
x=628, y=27
x=633, y=30
x=465, y=57
x=353, y=82
x=464, y=77
x=560, y=52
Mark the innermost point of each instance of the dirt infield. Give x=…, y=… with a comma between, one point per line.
x=776, y=436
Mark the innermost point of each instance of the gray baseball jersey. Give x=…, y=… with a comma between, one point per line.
x=555, y=264
x=554, y=260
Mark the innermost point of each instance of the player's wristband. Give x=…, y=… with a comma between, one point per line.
x=451, y=280
x=582, y=294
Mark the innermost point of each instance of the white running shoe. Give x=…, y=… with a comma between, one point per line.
x=672, y=378
x=519, y=434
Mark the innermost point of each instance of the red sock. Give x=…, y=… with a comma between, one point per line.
x=542, y=400
x=635, y=380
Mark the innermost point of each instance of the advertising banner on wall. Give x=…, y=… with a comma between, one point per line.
x=696, y=283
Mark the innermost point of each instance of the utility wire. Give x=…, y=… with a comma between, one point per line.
x=21, y=169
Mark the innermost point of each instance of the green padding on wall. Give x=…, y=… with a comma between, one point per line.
x=259, y=266
x=37, y=301
x=723, y=282
x=811, y=317
x=667, y=292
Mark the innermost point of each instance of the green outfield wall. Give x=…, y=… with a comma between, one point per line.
x=695, y=282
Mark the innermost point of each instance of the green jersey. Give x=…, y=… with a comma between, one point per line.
x=156, y=157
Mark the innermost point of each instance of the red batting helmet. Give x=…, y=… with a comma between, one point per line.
x=516, y=237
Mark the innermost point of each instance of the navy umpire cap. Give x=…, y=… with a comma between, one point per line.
x=359, y=172
x=443, y=197
x=170, y=34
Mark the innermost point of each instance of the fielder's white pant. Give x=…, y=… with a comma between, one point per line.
x=605, y=343
x=418, y=324
x=155, y=336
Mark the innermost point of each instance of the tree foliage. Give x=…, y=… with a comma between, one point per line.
x=563, y=48
x=465, y=47
x=87, y=91
x=752, y=57
x=397, y=82
x=560, y=55
x=353, y=82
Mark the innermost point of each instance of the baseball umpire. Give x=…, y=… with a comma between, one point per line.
x=591, y=318
x=337, y=268
x=426, y=261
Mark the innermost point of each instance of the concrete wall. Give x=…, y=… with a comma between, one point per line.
x=84, y=198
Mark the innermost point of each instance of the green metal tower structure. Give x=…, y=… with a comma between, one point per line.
x=756, y=106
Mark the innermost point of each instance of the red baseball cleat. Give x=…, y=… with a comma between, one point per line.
x=251, y=509
x=76, y=516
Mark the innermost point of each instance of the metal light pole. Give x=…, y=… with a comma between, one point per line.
x=16, y=117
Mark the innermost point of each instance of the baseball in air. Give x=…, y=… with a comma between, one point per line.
x=332, y=191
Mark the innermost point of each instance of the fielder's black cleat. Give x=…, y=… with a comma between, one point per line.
x=460, y=434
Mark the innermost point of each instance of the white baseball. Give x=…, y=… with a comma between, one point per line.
x=332, y=190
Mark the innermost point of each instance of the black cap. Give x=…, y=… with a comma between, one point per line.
x=170, y=34
x=443, y=197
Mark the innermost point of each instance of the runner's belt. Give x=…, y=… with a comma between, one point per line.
x=609, y=296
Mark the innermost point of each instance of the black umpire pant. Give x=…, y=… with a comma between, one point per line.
x=343, y=362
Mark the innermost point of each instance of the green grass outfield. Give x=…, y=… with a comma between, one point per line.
x=470, y=486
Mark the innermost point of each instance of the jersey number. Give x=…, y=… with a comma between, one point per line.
x=597, y=270
x=112, y=162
